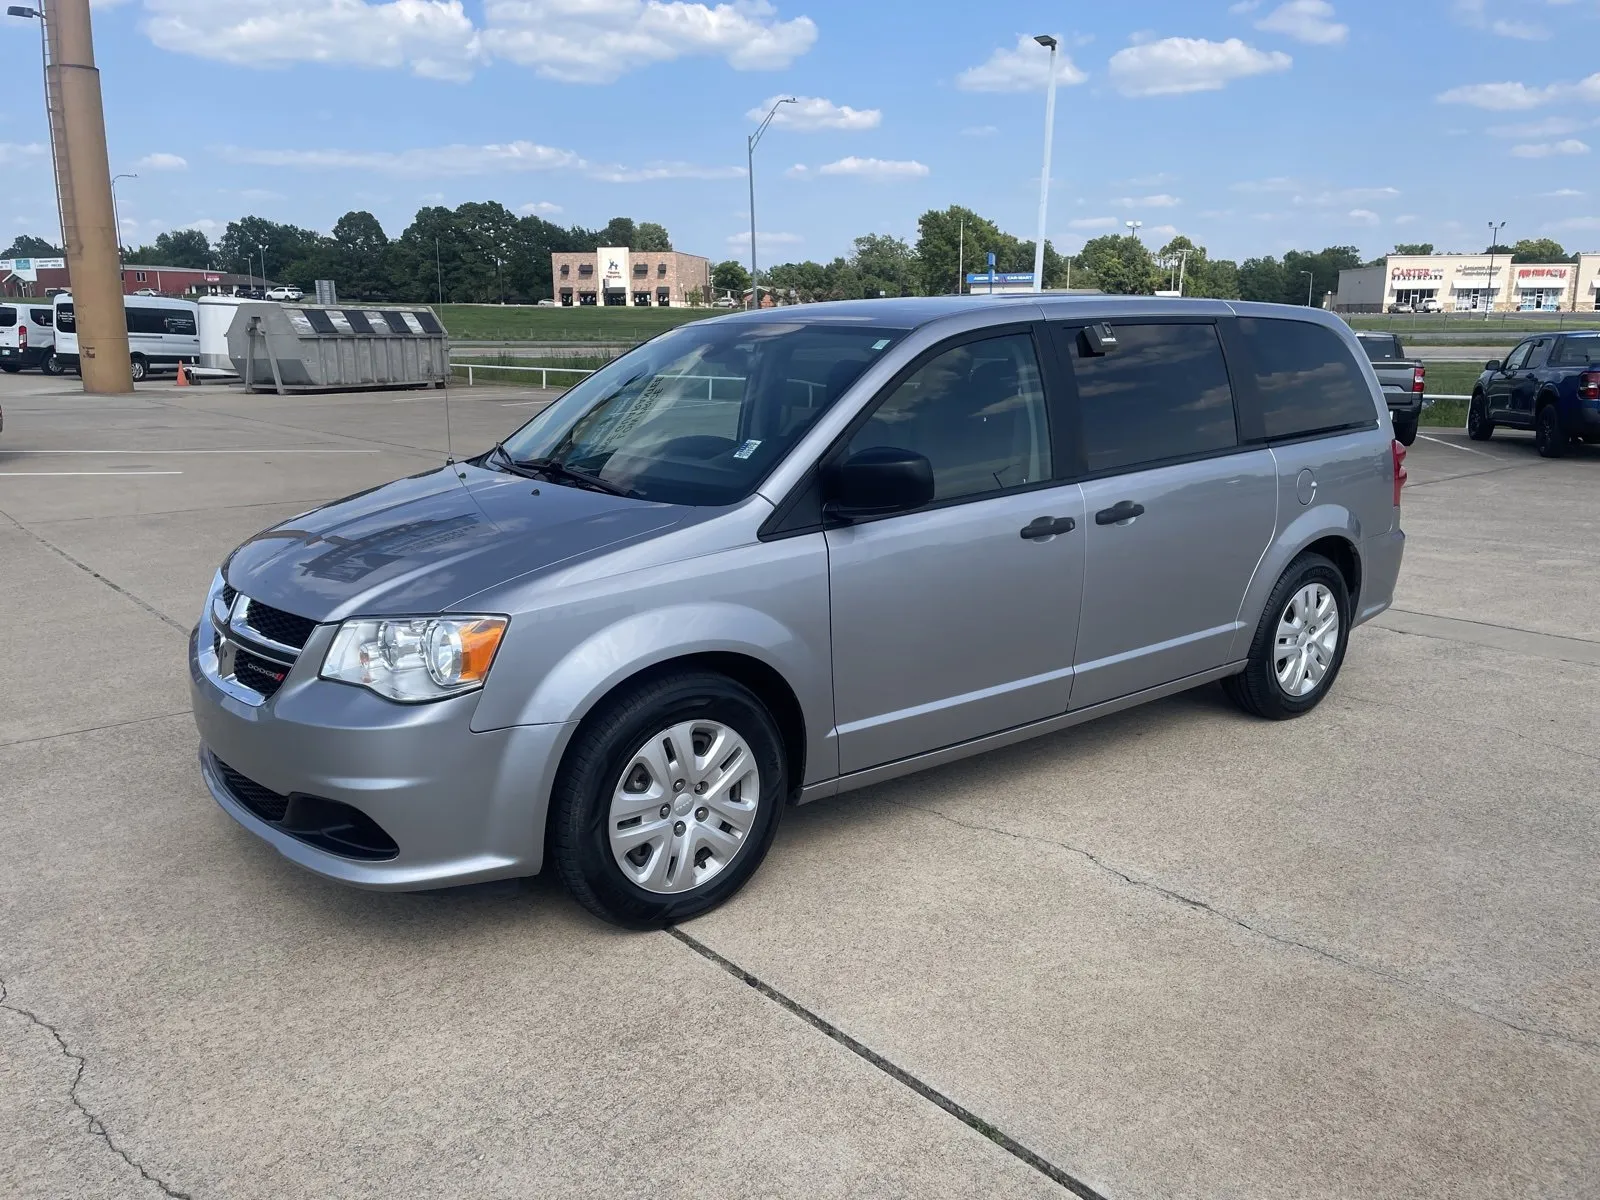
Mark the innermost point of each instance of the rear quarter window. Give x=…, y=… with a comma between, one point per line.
x=1577, y=352
x=42, y=316
x=1306, y=379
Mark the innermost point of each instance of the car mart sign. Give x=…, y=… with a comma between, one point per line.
x=1416, y=274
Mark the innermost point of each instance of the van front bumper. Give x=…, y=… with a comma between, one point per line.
x=435, y=804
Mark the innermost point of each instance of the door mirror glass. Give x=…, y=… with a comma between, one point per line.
x=879, y=481
x=1492, y=365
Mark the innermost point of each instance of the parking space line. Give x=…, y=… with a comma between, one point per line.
x=78, y=474
x=1464, y=449
x=135, y=453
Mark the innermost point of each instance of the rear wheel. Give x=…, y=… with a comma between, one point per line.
x=1547, y=432
x=1405, y=430
x=52, y=366
x=1299, y=645
x=140, y=367
x=668, y=799
x=1479, y=427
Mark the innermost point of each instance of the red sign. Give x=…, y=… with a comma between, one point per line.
x=1542, y=273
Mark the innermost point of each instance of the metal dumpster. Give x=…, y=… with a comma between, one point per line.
x=308, y=347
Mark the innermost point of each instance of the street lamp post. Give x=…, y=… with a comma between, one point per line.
x=1134, y=227
x=750, y=157
x=263, y=251
x=1494, y=242
x=1311, y=282
x=116, y=212
x=1050, y=44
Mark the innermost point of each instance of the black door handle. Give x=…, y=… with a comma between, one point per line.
x=1043, y=527
x=1123, y=510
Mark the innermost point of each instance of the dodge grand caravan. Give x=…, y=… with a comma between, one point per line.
x=775, y=556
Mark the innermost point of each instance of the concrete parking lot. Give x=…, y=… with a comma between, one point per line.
x=1176, y=953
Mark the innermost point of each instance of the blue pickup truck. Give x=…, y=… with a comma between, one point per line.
x=1550, y=384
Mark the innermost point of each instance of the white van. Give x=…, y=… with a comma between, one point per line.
x=161, y=333
x=28, y=336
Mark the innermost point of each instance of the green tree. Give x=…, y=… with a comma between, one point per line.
x=1497, y=249
x=730, y=276
x=950, y=243
x=1539, y=250
x=177, y=248
x=361, y=256
x=651, y=238
x=1261, y=279
x=1413, y=248
x=885, y=264
x=619, y=231
x=282, y=244
x=1121, y=265
x=25, y=245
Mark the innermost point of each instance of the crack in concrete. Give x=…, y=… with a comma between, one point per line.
x=1166, y=893
x=96, y=1127
x=90, y=571
x=50, y=737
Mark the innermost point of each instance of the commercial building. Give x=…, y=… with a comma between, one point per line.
x=618, y=277
x=1469, y=283
x=41, y=277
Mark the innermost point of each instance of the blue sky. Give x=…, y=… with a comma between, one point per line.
x=1251, y=127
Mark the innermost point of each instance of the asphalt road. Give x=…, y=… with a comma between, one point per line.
x=1176, y=953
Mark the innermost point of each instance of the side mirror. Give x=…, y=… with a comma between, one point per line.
x=878, y=482
x=1492, y=365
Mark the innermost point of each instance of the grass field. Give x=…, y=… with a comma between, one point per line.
x=1470, y=325
x=528, y=323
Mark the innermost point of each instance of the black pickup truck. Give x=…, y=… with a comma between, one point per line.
x=1550, y=384
x=1403, y=380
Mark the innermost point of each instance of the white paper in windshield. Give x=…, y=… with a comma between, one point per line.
x=749, y=448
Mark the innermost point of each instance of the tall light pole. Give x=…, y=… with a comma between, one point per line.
x=116, y=213
x=1134, y=227
x=1494, y=242
x=750, y=157
x=1311, y=282
x=83, y=191
x=263, y=251
x=1049, y=43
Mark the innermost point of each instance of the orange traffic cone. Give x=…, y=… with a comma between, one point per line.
x=183, y=374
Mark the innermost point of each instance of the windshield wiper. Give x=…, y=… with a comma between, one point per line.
x=512, y=464
x=556, y=469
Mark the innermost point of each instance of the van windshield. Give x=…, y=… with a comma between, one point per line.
x=700, y=415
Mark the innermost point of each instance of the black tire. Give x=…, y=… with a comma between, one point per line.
x=52, y=366
x=1548, y=435
x=10, y=368
x=1256, y=689
x=580, y=804
x=1405, y=430
x=141, y=369
x=1479, y=427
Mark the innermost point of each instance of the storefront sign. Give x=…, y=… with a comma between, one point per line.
x=1552, y=274
x=1477, y=272
x=613, y=267
x=1417, y=274
x=29, y=268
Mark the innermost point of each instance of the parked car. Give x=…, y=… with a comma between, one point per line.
x=281, y=292
x=724, y=302
x=162, y=332
x=244, y=292
x=1402, y=308
x=776, y=556
x=547, y=304
x=1549, y=384
x=28, y=336
x=1404, y=381
x=1430, y=305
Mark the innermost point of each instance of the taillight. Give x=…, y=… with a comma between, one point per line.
x=1418, y=377
x=22, y=337
x=1589, y=385
x=1398, y=453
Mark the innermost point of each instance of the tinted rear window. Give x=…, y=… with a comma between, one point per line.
x=1382, y=349
x=43, y=316
x=8, y=317
x=1307, y=379
x=1162, y=393
x=1577, y=351
x=66, y=319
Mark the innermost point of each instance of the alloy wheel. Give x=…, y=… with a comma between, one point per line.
x=1307, y=639
x=684, y=806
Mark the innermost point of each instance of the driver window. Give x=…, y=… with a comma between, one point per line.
x=976, y=412
x=1519, y=357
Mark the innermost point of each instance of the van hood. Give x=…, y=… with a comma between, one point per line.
x=422, y=544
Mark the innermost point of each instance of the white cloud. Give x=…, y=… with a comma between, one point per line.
x=1160, y=201
x=980, y=131
x=799, y=171
x=1407, y=219
x=1278, y=183
x=578, y=41
x=433, y=38
x=1475, y=15
x=1084, y=223
x=877, y=169
x=1561, y=194
x=764, y=240
x=438, y=162
x=652, y=172
x=1547, y=127
x=598, y=41
x=1509, y=96
x=1162, y=231
x=1023, y=68
x=12, y=153
x=539, y=208
x=162, y=162
x=1244, y=6
x=1177, y=65
x=1350, y=195
x=810, y=113
x=1568, y=146
x=1306, y=21
x=1364, y=216
x=1576, y=223
x=1521, y=30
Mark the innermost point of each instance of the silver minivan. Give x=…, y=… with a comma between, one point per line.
x=774, y=556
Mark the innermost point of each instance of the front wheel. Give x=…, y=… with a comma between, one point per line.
x=10, y=368
x=667, y=800
x=1479, y=427
x=140, y=368
x=1299, y=645
x=1548, y=436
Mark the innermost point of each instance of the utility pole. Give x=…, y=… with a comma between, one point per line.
x=961, y=258
x=750, y=157
x=1183, y=268
x=83, y=181
x=1494, y=242
x=1050, y=44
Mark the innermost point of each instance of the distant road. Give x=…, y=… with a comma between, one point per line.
x=1480, y=354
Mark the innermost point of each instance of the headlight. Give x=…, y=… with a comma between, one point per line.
x=413, y=659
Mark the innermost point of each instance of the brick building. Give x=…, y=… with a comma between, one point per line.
x=40, y=277
x=616, y=276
